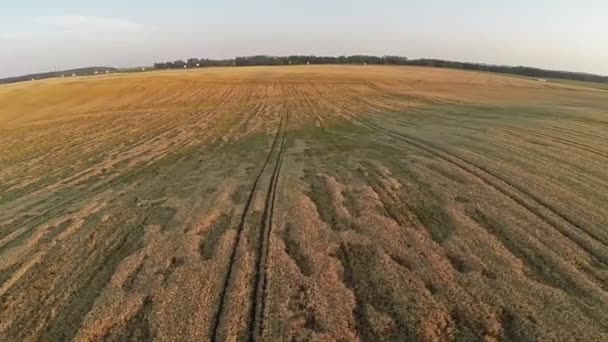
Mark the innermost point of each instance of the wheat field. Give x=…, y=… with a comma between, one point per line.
x=303, y=203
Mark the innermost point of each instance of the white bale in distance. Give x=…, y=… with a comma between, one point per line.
x=73, y=75
x=198, y=65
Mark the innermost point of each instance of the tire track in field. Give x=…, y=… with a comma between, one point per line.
x=259, y=299
x=470, y=167
x=565, y=142
x=261, y=261
x=522, y=197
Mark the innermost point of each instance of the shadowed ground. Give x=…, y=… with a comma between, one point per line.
x=303, y=203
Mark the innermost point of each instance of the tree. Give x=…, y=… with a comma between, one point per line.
x=179, y=64
x=192, y=62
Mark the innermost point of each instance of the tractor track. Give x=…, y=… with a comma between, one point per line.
x=256, y=312
x=563, y=141
x=519, y=195
x=259, y=300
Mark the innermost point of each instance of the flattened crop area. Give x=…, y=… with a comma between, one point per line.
x=303, y=203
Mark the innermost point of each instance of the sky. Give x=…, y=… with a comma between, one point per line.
x=37, y=36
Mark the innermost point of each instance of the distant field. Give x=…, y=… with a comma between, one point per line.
x=603, y=86
x=303, y=203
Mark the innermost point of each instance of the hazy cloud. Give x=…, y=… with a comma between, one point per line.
x=88, y=23
x=72, y=25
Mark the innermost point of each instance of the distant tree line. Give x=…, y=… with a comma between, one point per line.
x=301, y=60
x=304, y=60
x=514, y=70
x=194, y=63
x=262, y=60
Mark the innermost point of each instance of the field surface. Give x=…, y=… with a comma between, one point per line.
x=303, y=203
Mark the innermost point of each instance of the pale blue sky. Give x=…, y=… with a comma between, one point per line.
x=556, y=34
